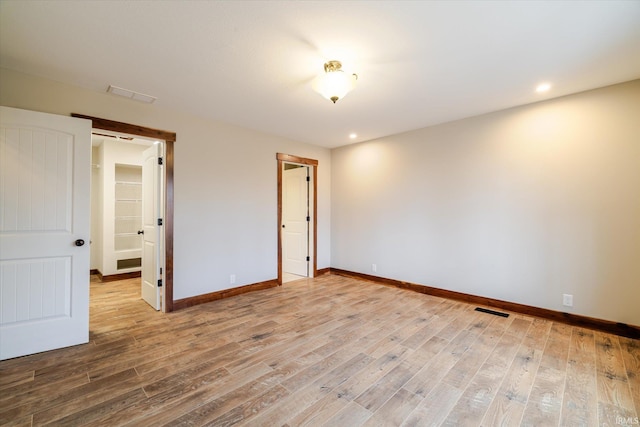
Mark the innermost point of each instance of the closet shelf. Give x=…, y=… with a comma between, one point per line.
x=128, y=209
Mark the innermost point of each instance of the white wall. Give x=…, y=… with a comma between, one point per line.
x=225, y=215
x=521, y=205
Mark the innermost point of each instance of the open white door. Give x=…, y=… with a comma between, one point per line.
x=151, y=228
x=295, y=221
x=44, y=231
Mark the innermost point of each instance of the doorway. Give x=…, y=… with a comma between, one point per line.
x=126, y=201
x=297, y=217
x=295, y=222
x=166, y=193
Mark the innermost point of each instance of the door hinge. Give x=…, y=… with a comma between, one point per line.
x=160, y=270
x=159, y=283
x=308, y=178
x=308, y=259
x=308, y=218
x=159, y=221
x=159, y=160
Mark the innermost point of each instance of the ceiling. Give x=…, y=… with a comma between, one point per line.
x=251, y=63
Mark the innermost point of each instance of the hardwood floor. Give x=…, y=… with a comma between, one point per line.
x=331, y=351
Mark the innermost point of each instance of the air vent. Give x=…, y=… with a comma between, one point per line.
x=495, y=313
x=136, y=96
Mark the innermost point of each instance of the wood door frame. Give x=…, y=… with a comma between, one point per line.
x=288, y=158
x=169, y=139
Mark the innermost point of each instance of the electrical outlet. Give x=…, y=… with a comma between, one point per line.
x=374, y=267
x=567, y=300
x=232, y=279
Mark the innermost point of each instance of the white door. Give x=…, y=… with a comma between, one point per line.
x=44, y=231
x=152, y=231
x=295, y=227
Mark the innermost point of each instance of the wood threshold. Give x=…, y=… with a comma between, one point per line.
x=616, y=328
x=226, y=293
x=120, y=276
x=169, y=139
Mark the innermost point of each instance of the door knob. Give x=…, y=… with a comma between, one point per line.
x=282, y=225
x=79, y=242
x=140, y=231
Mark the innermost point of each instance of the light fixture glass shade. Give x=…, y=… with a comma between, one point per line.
x=334, y=83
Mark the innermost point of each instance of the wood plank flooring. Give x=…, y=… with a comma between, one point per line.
x=331, y=351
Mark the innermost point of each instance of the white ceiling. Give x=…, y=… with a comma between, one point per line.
x=251, y=63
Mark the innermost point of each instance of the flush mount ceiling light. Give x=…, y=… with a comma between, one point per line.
x=334, y=83
x=136, y=96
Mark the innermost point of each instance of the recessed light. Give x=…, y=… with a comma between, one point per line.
x=543, y=87
x=353, y=136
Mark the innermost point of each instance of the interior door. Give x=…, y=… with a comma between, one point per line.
x=44, y=231
x=151, y=230
x=295, y=226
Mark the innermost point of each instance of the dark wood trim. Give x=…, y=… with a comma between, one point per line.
x=227, y=293
x=168, y=228
x=95, y=271
x=296, y=159
x=282, y=158
x=323, y=271
x=121, y=276
x=617, y=328
x=279, y=222
x=315, y=220
x=169, y=139
x=121, y=127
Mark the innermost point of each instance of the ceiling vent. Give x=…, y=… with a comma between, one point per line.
x=136, y=96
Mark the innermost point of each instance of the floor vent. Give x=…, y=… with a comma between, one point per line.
x=495, y=313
